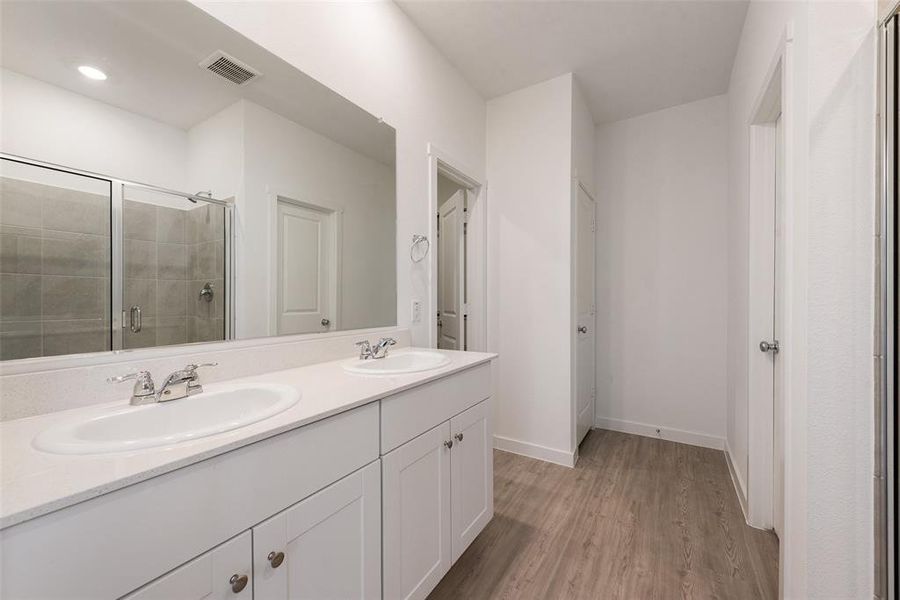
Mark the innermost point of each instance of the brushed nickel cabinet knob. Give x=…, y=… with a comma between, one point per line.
x=238, y=583
x=275, y=559
x=459, y=437
x=449, y=443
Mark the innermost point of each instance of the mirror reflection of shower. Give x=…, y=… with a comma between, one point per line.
x=90, y=264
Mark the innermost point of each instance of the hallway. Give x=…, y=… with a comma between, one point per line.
x=637, y=518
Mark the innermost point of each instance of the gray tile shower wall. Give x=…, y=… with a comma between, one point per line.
x=54, y=270
x=170, y=255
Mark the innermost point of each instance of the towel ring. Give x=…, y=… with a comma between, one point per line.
x=416, y=240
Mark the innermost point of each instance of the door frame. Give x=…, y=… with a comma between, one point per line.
x=337, y=214
x=475, y=322
x=578, y=184
x=782, y=91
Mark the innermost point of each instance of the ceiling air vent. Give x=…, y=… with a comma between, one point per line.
x=230, y=68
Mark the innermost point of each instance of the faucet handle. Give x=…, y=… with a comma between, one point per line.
x=365, y=349
x=192, y=367
x=387, y=341
x=143, y=383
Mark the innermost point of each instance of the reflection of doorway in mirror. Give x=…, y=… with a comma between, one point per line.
x=307, y=238
x=451, y=264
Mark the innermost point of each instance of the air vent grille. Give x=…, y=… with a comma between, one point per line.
x=230, y=68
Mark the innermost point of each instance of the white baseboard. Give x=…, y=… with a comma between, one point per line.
x=739, y=487
x=665, y=433
x=559, y=457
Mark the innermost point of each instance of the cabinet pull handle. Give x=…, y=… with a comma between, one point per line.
x=275, y=559
x=449, y=443
x=238, y=583
x=459, y=437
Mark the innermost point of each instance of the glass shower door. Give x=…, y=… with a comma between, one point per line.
x=55, y=253
x=173, y=263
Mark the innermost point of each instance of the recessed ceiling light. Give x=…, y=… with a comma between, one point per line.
x=92, y=72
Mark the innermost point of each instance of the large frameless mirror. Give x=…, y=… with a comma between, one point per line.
x=165, y=180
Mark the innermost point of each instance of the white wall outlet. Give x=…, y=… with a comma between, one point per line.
x=416, y=311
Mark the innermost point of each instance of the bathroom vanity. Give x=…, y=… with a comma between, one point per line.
x=369, y=486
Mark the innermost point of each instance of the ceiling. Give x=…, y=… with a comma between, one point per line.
x=151, y=51
x=630, y=57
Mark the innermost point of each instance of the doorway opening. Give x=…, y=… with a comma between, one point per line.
x=459, y=263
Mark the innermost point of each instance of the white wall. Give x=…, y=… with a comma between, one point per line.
x=282, y=157
x=374, y=56
x=827, y=542
x=662, y=183
x=51, y=124
x=529, y=168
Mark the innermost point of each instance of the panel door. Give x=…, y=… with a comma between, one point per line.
x=325, y=547
x=451, y=222
x=471, y=475
x=584, y=292
x=306, y=272
x=417, y=546
x=223, y=573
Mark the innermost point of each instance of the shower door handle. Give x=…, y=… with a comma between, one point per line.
x=135, y=318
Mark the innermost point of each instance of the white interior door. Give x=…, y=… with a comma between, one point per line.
x=306, y=277
x=586, y=363
x=451, y=265
x=778, y=333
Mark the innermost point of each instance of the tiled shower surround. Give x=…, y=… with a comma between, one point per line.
x=54, y=270
x=169, y=255
x=55, y=294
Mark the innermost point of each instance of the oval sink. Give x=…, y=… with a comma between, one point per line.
x=166, y=423
x=398, y=364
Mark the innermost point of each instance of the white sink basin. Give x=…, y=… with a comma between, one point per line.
x=166, y=423
x=398, y=364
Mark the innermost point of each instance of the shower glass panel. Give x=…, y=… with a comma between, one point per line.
x=174, y=266
x=55, y=262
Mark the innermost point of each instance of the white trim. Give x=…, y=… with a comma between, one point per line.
x=739, y=487
x=477, y=252
x=671, y=434
x=551, y=455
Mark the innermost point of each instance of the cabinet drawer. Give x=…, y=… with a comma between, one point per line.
x=415, y=411
x=154, y=526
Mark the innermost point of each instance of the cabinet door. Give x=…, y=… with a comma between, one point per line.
x=223, y=573
x=472, y=475
x=325, y=547
x=416, y=478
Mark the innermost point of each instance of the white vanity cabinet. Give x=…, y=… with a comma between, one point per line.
x=438, y=485
x=377, y=501
x=225, y=572
x=327, y=546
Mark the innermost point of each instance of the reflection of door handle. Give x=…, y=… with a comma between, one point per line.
x=325, y=322
x=582, y=329
x=136, y=321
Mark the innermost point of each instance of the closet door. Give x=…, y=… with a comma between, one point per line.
x=325, y=547
x=417, y=544
x=223, y=573
x=471, y=479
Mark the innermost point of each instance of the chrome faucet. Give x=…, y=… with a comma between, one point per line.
x=179, y=384
x=379, y=350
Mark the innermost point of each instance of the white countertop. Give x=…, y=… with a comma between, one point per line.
x=34, y=483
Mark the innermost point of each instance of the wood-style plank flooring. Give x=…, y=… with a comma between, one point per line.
x=637, y=518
